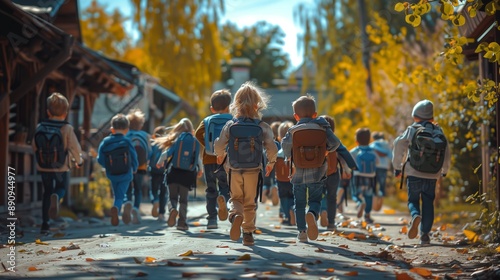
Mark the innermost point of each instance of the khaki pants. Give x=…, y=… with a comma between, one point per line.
x=243, y=201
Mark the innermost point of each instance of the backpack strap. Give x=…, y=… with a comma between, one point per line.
x=401, y=183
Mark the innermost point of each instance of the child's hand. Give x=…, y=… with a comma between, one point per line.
x=200, y=172
x=269, y=168
x=220, y=159
x=346, y=175
x=158, y=166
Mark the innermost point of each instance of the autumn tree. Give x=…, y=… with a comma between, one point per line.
x=262, y=44
x=103, y=31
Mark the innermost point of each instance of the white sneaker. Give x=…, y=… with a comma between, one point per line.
x=136, y=216
x=126, y=216
x=302, y=236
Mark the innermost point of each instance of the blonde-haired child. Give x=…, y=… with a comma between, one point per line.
x=180, y=178
x=244, y=157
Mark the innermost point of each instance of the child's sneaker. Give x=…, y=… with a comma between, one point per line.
x=235, y=231
x=368, y=219
x=331, y=227
x=54, y=206
x=136, y=216
x=292, y=217
x=323, y=219
x=221, y=202
x=312, y=227
x=425, y=239
x=248, y=239
x=360, y=208
x=161, y=218
x=212, y=224
x=45, y=228
x=182, y=227
x=172, y=217
x=275, y=196
x=413, y=229
x=114, y=216
x=155, y=210
x=126, y=216
x=302, y=236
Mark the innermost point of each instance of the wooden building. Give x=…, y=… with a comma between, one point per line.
x=41, y=52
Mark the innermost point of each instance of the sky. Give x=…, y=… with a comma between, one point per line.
x=243, y=13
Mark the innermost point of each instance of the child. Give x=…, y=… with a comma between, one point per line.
x=384, y=153
x=117, y=155
x=363, y=180
x=181, y=150
x=206, y=133
x=53, y=162
x=270, y=190
x=243, y=137
x=421, y=184
x=157, y=176
x=308, y=182
x=285, y=188
x=141, y=141
x=329, y=202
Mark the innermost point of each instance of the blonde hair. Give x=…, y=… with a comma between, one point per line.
x=136, y=119
x=184, y=125
x=249, y=101
x=283, y=129
x=57, y=104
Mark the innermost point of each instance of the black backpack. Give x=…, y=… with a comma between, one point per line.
x=427, y=148
x=48, y=138
x=118, y=160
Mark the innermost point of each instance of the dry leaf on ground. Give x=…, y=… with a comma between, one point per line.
x=185, y=254
x=421, y=271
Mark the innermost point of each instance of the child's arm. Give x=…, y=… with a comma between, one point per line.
x=74, y=148
x=270, y=147
x=161, y=160
x=100, y=154
x=133, y=157
x=346, y=156
x=200, y=134
x=332, y=141
x=400, y=150
x=286, y=145
x=220, y=143
x=346, y=170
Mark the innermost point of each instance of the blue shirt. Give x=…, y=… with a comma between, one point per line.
x=110, y=143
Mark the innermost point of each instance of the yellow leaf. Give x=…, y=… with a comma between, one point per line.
x=39, y=242
x=421, y=271
x=245, y=257
x=472, y=236
x=497, y=249
x=389, y=211
x=185, y=254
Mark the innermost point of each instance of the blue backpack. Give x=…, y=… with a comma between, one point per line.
x=213, y=127
x=141, y=146
x=245, y=143
x=155, y=155
x=186, y=152
x=366, y=160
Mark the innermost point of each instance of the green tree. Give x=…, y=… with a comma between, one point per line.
x=261, y=43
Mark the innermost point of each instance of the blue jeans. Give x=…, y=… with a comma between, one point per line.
x=136, y=187
x=329, y=202
x=381, y=180
x=212, y=192
x=285, y=193
x=53, y=182
x=313, y=198
x=119, y=192
x=362, y=191
x=159, y=190
x=425, y=189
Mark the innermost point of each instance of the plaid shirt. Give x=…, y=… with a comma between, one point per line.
x=310, y=175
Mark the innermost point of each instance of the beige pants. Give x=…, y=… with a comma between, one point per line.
x=243, y=187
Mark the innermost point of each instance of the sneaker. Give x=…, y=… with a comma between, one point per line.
x=235, y=231
x=45, y=229
x=182, y=227
x=361, y=208
x=312, y=226
x=156, y=207
x=212, y=224
x=274, y=196
x=331, y=227
x=323, y=219
x=136, y=216
x=265, y=195
x=425, y=239
x=302, y=236
x=368, y=219
x=292, y=218
x=248, y=239
x=161, y=218
x=114, y=216
x=415, y=222
x=126, y=216
x=172, y=217
x=221, y=202
x=54, y=206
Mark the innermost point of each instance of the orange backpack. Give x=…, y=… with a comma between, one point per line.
x=332, y=163
x=282, y=170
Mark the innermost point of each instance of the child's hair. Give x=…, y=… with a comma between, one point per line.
x=330, y=120
x=363, y=136
x=378, y=135
x=274, y=126
x=160, y=131
x=283, y=128
x=136, y=119
x=57, y=104
x=248, y=101
x=220, y=99
x=304, y=106
x=184, y=125
x=120, y=122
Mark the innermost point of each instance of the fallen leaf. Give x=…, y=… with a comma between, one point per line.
x=149, y=260
x=421, y=271
x=277, y=227
x=442, y=227
x=185, y=254
x=462, y=250
x=403, y=230
x=169, y=263
x=32, y=268
x=197, y=224
x=472, y=236
x=351, y=273
x=359, y=254
x=330, y=270
x=189, y=274
x=389, y=211
x=345, y=246
x=58, y=235
x=257, y=231
x=222, y=246
x=89, y=259
x=350, y=236
x=141, y=274
x=364, y=224
x=403, y=276
x=39, y=242
x=245, y=257
x=272, y=272
x=497, y=249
